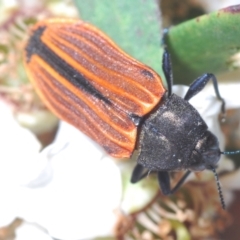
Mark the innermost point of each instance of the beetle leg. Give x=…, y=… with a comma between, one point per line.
x=200, y=83
x=138, y=173
x=167, y=65
x=167, y=69
x=164, y=182
x=181, y=181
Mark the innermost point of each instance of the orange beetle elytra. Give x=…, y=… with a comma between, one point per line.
x=88, y=81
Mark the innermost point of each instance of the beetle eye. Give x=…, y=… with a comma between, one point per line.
x=197, y=163
x=209, y=149
x=206, y=153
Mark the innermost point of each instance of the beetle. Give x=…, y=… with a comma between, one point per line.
x=88, y=81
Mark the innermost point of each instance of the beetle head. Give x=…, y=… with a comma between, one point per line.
x=206, y=153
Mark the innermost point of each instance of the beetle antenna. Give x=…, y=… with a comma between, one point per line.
x=219, y=188
x=230, y=152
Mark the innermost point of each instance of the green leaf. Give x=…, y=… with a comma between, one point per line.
x=133, y=25
x=180, y=230
x=205, y=44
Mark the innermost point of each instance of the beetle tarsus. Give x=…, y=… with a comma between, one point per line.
x=200, y=83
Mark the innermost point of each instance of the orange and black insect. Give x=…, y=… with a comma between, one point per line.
x=88, y=81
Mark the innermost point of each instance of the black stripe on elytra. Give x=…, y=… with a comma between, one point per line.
x=36, y=46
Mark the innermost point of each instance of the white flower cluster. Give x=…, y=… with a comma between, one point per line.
x=72, y=189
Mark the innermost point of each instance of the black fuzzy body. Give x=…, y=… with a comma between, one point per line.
x=169, y=136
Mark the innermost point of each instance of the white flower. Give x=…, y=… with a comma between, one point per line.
x=31, y=231
x=72, y=189
x=81, y=199
x=18, y=162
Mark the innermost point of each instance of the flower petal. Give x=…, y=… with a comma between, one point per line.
x=85, y=191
